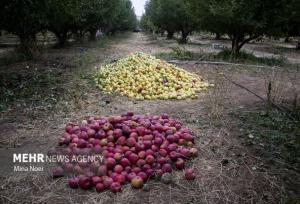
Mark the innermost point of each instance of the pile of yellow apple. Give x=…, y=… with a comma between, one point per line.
x=143, y=76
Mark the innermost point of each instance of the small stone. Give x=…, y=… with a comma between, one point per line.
x=166, y=178
x=250, y=136
x=146, y=187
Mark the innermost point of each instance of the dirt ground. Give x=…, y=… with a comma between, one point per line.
x=228, y=170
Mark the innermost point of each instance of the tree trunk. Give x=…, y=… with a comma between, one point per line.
x=112, y=32
x=80, y=36
x=287, y=40
x=238, y=41
x=62, y=38
x=218, y=36
x=28, y=45
x=298, y=46
x=235, y=49
x=92, y=35
x=170, y=35
x=184, y=36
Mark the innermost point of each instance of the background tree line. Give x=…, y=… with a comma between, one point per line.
x=241, y=20
x=26, y=18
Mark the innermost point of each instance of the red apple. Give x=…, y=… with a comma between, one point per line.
x=120, y=178
x=133, y=158
x=143, y=175
x=110, y=163
x=167, y=168
x=139, y=146
x=150, y=159
x=189, y=174
x=118, y=168
x=73, y=182
x=85, y=182
x=91, y=132
x=122, y=140
x=125, y=162
x=96, y=180
x=57, y=172
x=107, y=181
x=117, y=133
x=136, y=170
x=179, y=164
x=163, y=152
x=100, y=187
x=131, y=142
x=140, y=162
x=131, y=175
x=142, y=154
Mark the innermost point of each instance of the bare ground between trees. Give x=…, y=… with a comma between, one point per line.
x=228, y=171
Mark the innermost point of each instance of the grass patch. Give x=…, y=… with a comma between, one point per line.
x=179, y=53
x=39, y=87
x=249, y=58
x=277, y=136
x=280, y=50
x=102, y=42
x=12, y=57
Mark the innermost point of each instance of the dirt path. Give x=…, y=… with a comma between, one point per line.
x=227, y=171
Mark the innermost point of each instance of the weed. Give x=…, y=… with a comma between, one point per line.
x=38, y=87
x=277, y=134
x=102, y=42
x=280, y=50
x=180, y=53
x=12, y=57
x=245, y=57
x=216, y=98
x=84, y=58
x=225, y=55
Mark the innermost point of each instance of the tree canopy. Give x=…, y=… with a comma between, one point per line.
x=25, y=18
x=242, y=20
x=293, y=24
x=171, y=16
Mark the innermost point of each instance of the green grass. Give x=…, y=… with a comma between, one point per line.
x=277, y=136
x=102, y=42
x=39, y=87
x=249, y=58
x=179, y=53
x=11, y=58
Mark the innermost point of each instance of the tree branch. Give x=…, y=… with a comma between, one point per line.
x=248, y=40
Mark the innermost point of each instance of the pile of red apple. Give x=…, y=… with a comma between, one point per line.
x=135, y=148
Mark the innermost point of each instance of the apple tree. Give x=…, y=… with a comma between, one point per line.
x=293, y=23
x=24, y=18
x=172, y=16
x=241, y=20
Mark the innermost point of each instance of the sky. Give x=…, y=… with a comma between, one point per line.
x=139, y=6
